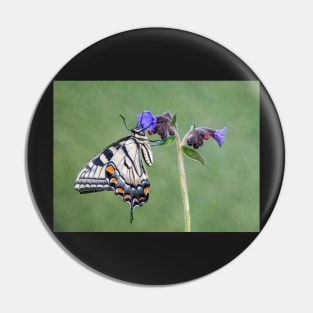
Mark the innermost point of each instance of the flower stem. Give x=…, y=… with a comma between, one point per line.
x=183, y=183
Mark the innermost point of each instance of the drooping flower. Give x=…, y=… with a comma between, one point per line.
x=195, y=139
x=219, y=135
x=163, y=126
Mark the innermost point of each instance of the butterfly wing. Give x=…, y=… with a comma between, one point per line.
x=119, y=168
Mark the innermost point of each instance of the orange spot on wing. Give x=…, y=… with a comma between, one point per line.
x=127, y=196
x=113, y=180
x=141, y=198
x=146, y=190
x=110, y=169
x=135, y=200
x=119, y=190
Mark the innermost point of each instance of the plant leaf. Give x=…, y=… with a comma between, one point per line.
x=173, y=120
x=194, y=154
x=167, y=141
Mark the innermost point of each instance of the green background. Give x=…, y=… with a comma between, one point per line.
x=223, y=194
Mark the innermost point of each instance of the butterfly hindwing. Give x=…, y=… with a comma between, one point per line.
x=119, y=168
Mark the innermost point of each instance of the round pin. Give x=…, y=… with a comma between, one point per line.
x=155, y=156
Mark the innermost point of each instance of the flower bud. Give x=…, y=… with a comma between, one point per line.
x=200, y=131
x=163, y=126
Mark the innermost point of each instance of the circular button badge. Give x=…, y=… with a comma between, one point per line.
x=155, y=156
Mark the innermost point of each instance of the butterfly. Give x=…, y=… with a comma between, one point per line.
x=119, y=168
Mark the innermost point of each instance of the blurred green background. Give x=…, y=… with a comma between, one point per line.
x=224, y=194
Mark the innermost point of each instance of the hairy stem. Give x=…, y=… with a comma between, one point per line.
x=183, y=183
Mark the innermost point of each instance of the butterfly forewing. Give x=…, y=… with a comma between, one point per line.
x=119, y=168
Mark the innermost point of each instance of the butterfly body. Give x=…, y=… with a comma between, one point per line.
x=119, y=168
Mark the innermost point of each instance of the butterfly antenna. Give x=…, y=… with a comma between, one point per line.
x=124, y=120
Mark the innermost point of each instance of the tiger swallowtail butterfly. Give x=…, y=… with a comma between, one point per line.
x=119, y=168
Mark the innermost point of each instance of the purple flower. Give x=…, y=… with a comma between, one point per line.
x=146, y=120
x=219, y=135
x=163, y=126
x=195, y=139
x=196, y=136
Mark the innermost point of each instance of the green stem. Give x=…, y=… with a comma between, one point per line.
x=183, y=182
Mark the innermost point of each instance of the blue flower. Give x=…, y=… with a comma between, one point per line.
x=146, y=120
x=219, y=135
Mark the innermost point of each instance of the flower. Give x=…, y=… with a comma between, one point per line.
x=163, y=126
x=196, y=136
x=146, y=120
x=219, y=135
x=195, y=139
